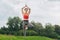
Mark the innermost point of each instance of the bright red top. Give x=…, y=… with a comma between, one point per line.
x=25, y=16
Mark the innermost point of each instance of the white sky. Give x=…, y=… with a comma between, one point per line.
x=43, y=11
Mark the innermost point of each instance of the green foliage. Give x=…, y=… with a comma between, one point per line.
x=31, y=33
x=57, y=29
x=28, y=33
x=50, y=31
x=14, y=23
x=37, y=27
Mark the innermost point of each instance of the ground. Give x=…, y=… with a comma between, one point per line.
x=10, y=37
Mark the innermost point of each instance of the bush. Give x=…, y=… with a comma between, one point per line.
x=1, y=31
x=31, y=33
x=28, y=33
x=52, y=35
x=21, y=33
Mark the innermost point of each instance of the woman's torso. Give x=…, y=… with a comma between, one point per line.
x=26, y=16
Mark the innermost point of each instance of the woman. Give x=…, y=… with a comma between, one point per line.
x=25, y=12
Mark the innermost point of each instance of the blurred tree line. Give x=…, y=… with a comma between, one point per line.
x=34, y=29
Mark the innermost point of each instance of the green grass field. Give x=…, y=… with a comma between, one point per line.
x=9, y=37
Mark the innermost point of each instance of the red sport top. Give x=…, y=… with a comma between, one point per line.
x=25, y=16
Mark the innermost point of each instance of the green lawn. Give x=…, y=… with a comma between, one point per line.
x=5, y=37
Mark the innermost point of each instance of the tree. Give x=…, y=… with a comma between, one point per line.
x=50, y=31
x=14, y=23
x=57, y=29
x=37, y=27
x=4, y=30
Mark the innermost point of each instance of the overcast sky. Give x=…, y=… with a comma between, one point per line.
x=43, y=11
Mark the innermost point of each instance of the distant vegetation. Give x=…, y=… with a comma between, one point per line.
x=5, y=37
x=34, y=29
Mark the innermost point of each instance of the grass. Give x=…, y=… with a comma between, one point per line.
x=9, y=37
